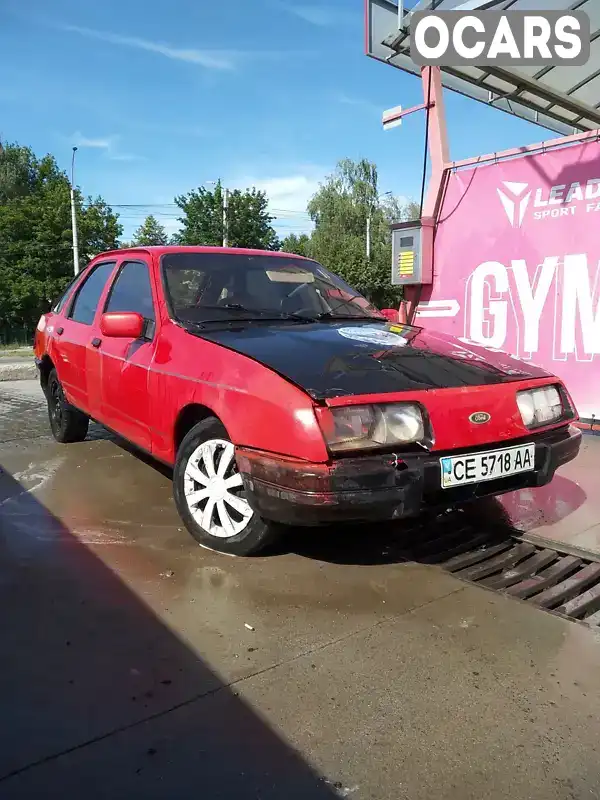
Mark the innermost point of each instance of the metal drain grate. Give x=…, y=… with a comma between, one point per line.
x=562, y=580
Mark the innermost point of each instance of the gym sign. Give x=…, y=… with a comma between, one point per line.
x=496, y=38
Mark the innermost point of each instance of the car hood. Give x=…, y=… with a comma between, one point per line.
x=330, y=360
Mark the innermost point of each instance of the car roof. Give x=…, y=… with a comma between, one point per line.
x=167, y=249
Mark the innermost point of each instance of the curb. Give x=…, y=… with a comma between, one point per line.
x=18, y=372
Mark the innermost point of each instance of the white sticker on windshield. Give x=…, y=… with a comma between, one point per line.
x=286, y=276
x=374, y=336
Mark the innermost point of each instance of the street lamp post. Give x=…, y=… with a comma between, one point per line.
x=74, y=216
x=225, y=219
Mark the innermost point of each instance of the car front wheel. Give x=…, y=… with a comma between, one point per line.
x=67, y=423
x=210, y=496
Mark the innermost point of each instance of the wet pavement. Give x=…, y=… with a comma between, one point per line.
x=566, y=511
x=128, y=669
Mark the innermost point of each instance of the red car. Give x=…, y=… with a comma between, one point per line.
x=280, y=395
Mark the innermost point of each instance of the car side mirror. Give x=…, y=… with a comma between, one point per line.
x=122, y=324
x=391, y=314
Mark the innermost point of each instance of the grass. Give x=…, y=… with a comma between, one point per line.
x=16, y=351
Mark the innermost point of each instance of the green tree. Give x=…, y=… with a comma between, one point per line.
x=396, y=210
x=98, y=228
x=340, y=210
x=36, y=255
x=300, y=245
x=150, y=233
x=17, y=178
x=248, y=221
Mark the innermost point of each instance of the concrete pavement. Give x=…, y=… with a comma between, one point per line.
x=128, y=670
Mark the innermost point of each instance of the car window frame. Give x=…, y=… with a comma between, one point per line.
x=84, y=279
x=149, y=331
x=58, y=306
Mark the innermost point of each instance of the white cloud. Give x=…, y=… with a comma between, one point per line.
x=125, y=157
x=210, y=59
x=357, y=102
x=97, y=143
x=322, y=16
x=106, y=143
x=316, y=15
x=290, y=193
x=288, y=197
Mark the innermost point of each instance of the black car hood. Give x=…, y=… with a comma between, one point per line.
x=361, y=357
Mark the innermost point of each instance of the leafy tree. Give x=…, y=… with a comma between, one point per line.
x=150, y=233
x=98, y=229
x=17, y=178
x=36, y=255
x=300, y=245
x=395, y=210
x=248, y=221
x=340, y=210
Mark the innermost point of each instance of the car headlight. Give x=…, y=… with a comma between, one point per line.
x=540, y=406
x=354, y=427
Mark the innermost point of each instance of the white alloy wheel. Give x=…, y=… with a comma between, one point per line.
x=214, y=491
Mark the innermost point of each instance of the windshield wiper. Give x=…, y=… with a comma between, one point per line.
x=345, y=302
x=259, y=314
x=280, y=314
x=331, y=315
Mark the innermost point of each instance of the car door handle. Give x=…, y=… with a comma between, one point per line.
x=60, y=331
x=96, y=342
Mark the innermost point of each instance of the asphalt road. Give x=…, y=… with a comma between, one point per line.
x=136, y=665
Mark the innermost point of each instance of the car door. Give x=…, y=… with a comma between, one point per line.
x=74, y=333
x=125, y=405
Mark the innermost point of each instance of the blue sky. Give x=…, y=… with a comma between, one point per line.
x=162, y=97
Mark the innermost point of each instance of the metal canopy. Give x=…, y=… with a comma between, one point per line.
x=563, y=99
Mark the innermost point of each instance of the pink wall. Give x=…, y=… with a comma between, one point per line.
x=516, y=265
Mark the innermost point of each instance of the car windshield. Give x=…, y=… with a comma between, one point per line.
x=214, y=287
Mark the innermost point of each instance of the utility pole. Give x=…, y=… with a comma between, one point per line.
x=74, y=216
x=225, y=205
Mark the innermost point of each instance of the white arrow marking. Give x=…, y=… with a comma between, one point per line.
x=438, y=308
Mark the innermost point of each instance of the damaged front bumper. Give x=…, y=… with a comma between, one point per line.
x=384, y=486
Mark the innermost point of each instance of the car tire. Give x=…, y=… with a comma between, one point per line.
x=67, y=423
x=219, y=518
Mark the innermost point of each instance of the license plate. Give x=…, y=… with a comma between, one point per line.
x=488, y=466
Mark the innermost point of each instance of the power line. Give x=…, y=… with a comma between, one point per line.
x=293, y=211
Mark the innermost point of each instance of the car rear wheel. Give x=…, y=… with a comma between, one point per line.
x=210, y=496
x=67, y=423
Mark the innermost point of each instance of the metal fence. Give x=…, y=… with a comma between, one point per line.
x=16, y=336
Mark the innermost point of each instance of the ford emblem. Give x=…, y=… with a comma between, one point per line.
x=479, y=417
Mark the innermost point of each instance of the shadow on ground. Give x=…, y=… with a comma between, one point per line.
x=100, y=699
x=428, y=539
x=437, y=536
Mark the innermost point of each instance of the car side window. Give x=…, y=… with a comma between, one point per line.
x=59, y=304
x=88, y=295
x=132, y=291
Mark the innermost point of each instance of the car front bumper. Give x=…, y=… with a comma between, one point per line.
x=386, y=486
